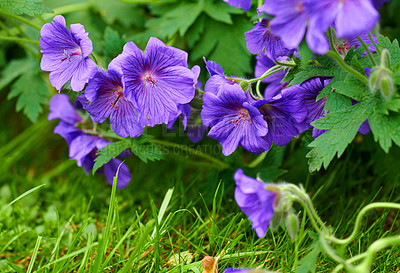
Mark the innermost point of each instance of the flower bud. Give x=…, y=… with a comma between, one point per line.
x=381, y=79
x=245, y=85
x=292, y=225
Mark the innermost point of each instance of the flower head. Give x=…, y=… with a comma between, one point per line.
x=234, y=121
x=104, y=97
x=156, y=81
x=261, y=37
x=65, y=54
x=255, y=200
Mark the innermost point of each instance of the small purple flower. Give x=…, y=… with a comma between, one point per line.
x=82, y=146
x=243, y=4
x=234, y=121
x=65, y=54
x=105, y=98
x=261, y=37
x=156, y=81
x=246, y=270
x=256, y=201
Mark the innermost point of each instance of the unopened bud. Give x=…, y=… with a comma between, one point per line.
x=387, y=87
x=245, y=85
x=381, y=79
x=292, y=225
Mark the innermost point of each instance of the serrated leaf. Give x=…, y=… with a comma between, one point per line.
x=28, y=7
x=385, y=129
x=108, y=152
x=343, y=126
x=32, y=93
x=14, y=69
x=305, y=53
x=176, y=19
x=225, y=44
x=139, y=147
x=220, y=11
x=195, y=31
x=113, y=43
x=308, y=263
x=352, y=88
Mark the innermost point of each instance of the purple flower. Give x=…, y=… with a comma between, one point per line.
x=256, y=201
x=65, y=54
x=346, y=44
x=82, y=146
x=243, y=4
x=350, y=18
x=290, y=21
x=261, y=37
x=285, y=114
x=234, y=121
x=105, y=98
x=156, y=81
x=245, y=270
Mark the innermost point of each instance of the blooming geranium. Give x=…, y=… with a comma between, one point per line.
x=234, y=121
x=246, y=270
x=256, y=201
x=83, y=146
x=65, y=54
x=156, y=81
x=261, y=37
x=104, y=97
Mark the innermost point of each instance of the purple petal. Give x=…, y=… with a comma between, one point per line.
x=110, y=170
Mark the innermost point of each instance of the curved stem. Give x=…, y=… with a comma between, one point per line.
x=368, y=51
x=267, y=73
x=258, y=160
x=373, y=42
x=357, y=225
x=346, y=67
x=330, y=38
x=21, y=19
x=376, y=247
x=258, y=90
x=313, y=222
x=221, y=165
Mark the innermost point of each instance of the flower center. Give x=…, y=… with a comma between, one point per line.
x=149, y=79
x=243, y=115
x=68, y=55
x=119, y=93
x=299, y=7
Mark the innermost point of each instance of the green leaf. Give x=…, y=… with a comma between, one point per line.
x=14, y=69
x=139, y=146
x=220, y=11
x=113, y=43
x=195, y=31
x=29, y=7
x=308, y=263
x=225, y=44
x=394, y=51
x=343, y=126
x=305, y=53
x=385, y=129
x=352, y=88
x=108, y=152
x=32, y=93
x=175, y=19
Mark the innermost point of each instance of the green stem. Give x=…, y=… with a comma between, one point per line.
x=346, y=67
x=221, y=165
x=267, y=73
x=368, y=51
x=258, y=160
x=72, y=8
x=373, y=42
x=291, y=64
x=357, y=225
x=330, y=38
x=16, y=39
x=19, y=18
x=313, y=221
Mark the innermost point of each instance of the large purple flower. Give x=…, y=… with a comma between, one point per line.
x=156, y=81
x=243, y=4
x=105, y=98
x=261, y=37
x=234, y=121
x=65, y=54
x=255, y=200
x=82, y=146
x=350, y=18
